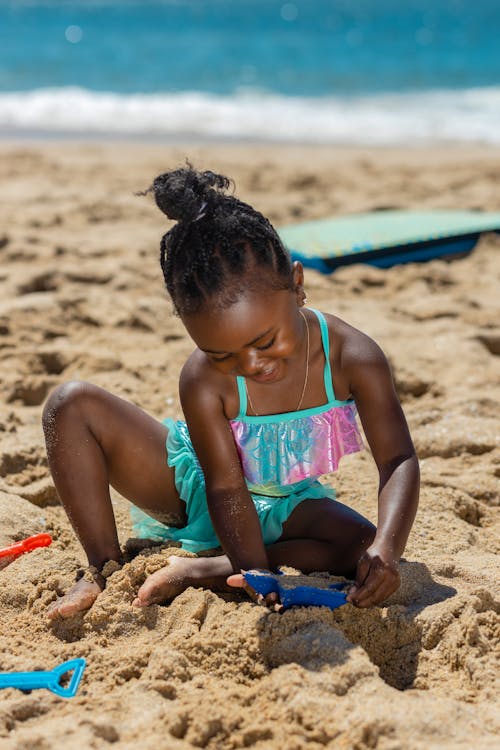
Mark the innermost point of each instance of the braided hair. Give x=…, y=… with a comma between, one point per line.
x=217, y=238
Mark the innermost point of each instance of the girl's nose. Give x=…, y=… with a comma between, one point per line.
x=248, y=363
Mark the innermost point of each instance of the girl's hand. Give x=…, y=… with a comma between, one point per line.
x=272, y=600
x=377, y=577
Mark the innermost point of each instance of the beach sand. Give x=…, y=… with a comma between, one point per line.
x=83, y=298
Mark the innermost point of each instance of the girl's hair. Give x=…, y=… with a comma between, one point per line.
x=216, y=240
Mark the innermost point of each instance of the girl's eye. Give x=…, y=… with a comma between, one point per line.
x=268, y=345
x=228, y=356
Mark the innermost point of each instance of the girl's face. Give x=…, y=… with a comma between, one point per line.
x=257, y=337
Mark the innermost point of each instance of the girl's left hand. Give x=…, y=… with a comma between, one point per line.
x=272, y=600
x=377, y=577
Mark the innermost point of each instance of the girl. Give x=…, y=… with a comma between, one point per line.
x=269, y=395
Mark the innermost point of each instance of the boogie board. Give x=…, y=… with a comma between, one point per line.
x=386, y=238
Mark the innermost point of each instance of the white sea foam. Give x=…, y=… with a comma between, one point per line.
x=462, y=115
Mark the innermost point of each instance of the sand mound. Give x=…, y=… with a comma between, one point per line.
x=83, y=298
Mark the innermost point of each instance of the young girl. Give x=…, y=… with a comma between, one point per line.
x=269, y=394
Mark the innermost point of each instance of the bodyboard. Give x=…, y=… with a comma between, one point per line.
x=386, y=238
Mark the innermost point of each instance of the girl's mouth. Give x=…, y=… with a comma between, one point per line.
x=267, y=375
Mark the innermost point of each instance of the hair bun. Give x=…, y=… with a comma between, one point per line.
x=185, y=193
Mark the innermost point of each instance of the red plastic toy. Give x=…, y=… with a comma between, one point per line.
x=26, y=545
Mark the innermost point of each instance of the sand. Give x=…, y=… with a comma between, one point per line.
x=82, y=297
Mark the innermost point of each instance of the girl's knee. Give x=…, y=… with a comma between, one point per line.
x=68, y=398
x=360, y=538
x=367, y=531
x=365, y=536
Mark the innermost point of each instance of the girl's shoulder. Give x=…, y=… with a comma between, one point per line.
x=351, y=350
x=197, y=371
x=349, y=342
x=203, y=385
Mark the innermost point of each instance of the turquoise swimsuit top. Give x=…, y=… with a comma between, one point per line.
x=283, y=453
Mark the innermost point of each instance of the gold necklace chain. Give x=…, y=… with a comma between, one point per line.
x=305, y=379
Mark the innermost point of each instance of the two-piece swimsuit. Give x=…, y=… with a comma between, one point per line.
x=282, y=456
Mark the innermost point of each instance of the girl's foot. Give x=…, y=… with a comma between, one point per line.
x=80, y=597
x=179, y=574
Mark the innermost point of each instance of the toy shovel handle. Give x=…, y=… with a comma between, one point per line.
x=51, y=680
x=26, y=545
x=39, y=540
x=54, y=682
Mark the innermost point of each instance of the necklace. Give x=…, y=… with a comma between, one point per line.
x=305, y=379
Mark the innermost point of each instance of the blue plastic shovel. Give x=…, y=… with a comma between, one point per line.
x=50, y=680
x=299, y=596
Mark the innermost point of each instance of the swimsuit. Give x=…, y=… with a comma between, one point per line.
x=282, y=456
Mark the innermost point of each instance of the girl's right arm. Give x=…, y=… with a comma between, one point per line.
x=229, y=502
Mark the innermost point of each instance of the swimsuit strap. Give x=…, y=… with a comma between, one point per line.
x=242, y=393
x=327, y=372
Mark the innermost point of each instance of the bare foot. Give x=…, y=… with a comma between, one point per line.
x=80, y=597
x=181, y=572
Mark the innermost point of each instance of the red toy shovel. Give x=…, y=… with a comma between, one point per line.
x=26, y=545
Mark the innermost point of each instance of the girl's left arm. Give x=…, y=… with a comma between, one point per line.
x=389, y=439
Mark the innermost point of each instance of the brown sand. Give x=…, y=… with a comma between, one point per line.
x=83, y=298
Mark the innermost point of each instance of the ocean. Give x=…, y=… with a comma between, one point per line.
x=325, y=71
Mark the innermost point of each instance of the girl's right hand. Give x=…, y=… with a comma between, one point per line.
x=272, y=600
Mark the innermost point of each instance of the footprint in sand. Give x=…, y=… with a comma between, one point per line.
x=491, y=340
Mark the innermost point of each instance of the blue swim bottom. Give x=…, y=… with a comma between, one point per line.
x=198, y=534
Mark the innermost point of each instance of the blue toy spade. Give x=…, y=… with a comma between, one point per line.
x=298, y=596
x=50, y=680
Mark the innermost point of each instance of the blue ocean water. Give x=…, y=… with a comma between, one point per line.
x=327, y=70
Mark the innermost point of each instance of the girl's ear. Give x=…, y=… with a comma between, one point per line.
x=298, y=282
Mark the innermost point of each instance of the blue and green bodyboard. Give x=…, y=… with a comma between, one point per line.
x=386, y=238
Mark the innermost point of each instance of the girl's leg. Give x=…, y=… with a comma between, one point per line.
x=95, y=439
x=318, y=535
x=326, y=535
